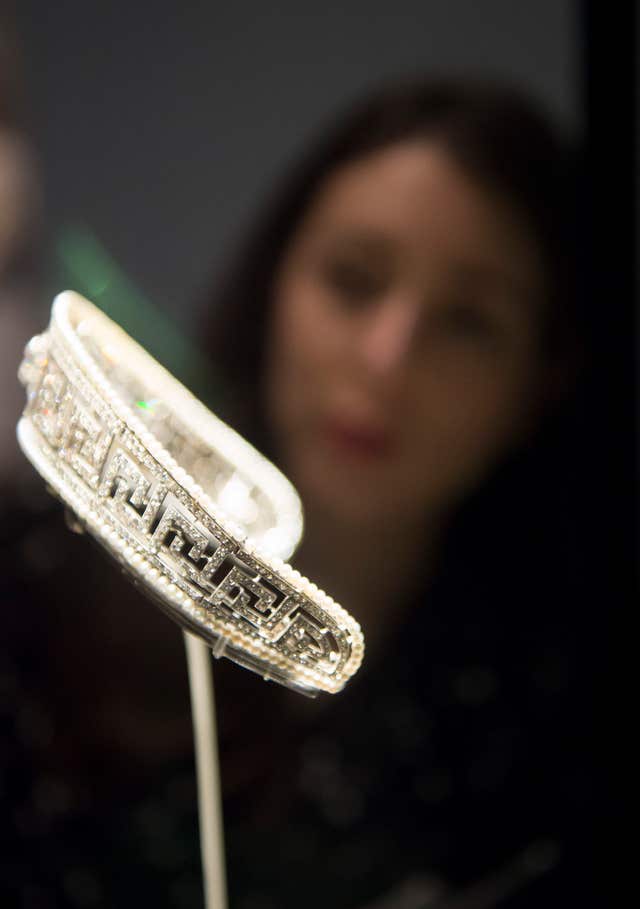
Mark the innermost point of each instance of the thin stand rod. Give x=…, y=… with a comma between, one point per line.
x=207, y=772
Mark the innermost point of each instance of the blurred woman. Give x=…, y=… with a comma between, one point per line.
x=399, y=335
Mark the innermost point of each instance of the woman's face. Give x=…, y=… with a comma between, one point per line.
x=402, y=356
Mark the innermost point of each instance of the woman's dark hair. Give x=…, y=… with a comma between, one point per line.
x=496, y=133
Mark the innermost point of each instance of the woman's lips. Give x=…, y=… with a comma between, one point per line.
x=361, y=441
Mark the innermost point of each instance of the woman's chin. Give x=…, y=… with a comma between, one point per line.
x=354, y=500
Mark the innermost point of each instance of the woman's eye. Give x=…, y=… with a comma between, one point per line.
x=467, y=321
x=354, y=282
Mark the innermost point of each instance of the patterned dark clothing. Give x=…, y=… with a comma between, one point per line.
x=457, y=763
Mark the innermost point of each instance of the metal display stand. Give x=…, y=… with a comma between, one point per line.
x=207, y=772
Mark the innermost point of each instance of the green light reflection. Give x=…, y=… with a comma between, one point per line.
x=90, y=269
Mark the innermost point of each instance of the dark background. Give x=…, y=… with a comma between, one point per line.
x=160, y=126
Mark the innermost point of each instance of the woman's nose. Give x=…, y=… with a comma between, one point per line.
x=388, y=336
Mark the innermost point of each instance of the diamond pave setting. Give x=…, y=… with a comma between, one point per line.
x=198, y=518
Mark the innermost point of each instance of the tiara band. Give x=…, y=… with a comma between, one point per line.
x=199, y=519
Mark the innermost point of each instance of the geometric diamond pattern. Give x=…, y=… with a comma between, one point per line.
x=151, y=510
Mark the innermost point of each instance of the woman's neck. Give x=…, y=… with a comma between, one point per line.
x=371, y=570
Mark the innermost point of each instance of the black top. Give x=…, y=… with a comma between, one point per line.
x=459, y=762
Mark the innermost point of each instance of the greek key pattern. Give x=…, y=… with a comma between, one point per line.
x=156, y=516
